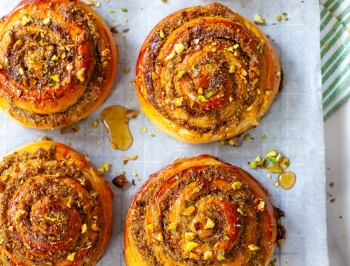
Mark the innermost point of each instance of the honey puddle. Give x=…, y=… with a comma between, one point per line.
x=116, y=121
x=287, y=180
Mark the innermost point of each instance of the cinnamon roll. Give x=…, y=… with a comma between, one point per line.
x=206, y=73
x=201, y=211
x=57, y=62
x=54, y=208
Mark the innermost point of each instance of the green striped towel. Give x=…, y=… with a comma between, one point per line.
x=335, y=53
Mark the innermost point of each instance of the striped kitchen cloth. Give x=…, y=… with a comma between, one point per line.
x=335, y=53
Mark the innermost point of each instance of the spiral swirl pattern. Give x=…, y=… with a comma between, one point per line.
x=206, y=74
x=57, y=62
x=200, y=211
x=54, y=210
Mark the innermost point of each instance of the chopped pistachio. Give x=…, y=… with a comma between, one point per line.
x=43, y=42
x=97, y=4
x=127, y=70
x=105, y=166
x=244, y=72
x=26, y=19
x=195, y=190
x=278, y=74
x=236, y=46
x=21, y=71
x=179, y=47
x=18, y=44
x=54, y=58
x=69, y=203
x=272, y=159
x=275, y=168
x=178, y=101
x=190, y=246
x=159, y=237
x=237, y=185
x=188, y=203
x=261, y=205
x=161, y=33
x=285, y=19
x=200, y=90
x=285, y=163
x=94, y=227
x=71, y=256
x=69, y=67
x=230, y=49
x=208, y=94
x=237, y=53
x=271, y=153
x=47, y=21
x=202, y=99
x=194, y=256
x=150, y=227
x=230, y=99
x=222, y=142
x=278, y=17
x=246, y=137
x=83, y=228
x=189, y=236
x=226, y=238
x=189, y=211
x=180, y=73
x=207, y=254
x=260, y=47
x=4, y=177
x=56, y=77
x=105, y=52
x=27, y=246
x=173, y=226
x=124, y=9
x=170, y=56
x=81, y=74
x=258, y=19
x=210, y=224
x=220, y=257
x=241, y=211
x=232, y=69
x=233, y=142
x=253, y=247
x=279, y=158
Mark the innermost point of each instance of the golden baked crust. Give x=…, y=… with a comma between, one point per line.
x=57, y=62
x=54, y=208
x=200, y=211
x=206, y=73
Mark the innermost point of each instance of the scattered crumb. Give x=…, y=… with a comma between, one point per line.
x=114, y=29
x=46, y=138
x=120, y=181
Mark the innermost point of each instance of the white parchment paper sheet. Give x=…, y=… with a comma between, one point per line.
x=293, y=125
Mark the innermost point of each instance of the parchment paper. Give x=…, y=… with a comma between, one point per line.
x=293, y=125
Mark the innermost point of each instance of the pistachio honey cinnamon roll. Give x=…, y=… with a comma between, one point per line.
x=54, y=208
x=205, y=73
x=57, y=62
x=201, y=211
